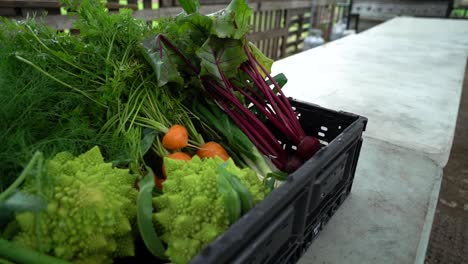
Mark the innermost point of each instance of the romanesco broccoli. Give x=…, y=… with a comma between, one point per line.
x=90, y=209
x=191, y=211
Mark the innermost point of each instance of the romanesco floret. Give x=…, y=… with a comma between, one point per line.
x=191, y=211
x=90, y=209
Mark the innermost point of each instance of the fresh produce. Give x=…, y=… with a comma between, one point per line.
x=144, y=216
x=177, y=156
x=129, y=134
x=212, y=149
x=175, y=138
x=90, y=210
x=38, y=113
x=231, y=71
x=199, y=203
x=242, y=150
x=62, y=92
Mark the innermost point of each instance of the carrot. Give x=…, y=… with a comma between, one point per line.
x=212, y=149
x=175, y=138
x=158, y=182
x=177, y=156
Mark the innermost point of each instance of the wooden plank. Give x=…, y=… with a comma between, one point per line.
x=166, y=3
x=299, y=11
x=30, y=3
x=277, y=46
x=147, y=4
x=66, y=22
x=114, y=5
x=254, y=23
x=8, y=12
x=259, y=21
x=251, y=22
x=269, y=40
x=284, y=38
x=293, y=44
x=273, y=39
x=330, y=24
x=270, y=5
x=299, y=31
x=29, y=12
x=54, y=4
x=214, y=2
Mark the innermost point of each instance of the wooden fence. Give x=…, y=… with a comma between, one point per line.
x=278, y=27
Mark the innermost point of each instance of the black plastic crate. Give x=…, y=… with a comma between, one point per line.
x=282, y=227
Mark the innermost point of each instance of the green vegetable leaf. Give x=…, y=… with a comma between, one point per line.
x=280, y=78
x=232, y=201
x=190, y=6
x=261, y=58
x=192, y=31
x=247, y=202
x=20, y=202
x=145, y=216
x=163, y=60
x=278, y=175
x=270, y=183
x=221, y=57
x=233, y=21
x=148, y=139
x=22, y=254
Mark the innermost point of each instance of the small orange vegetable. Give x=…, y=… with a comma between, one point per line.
x=212, y=149
x=158, y=182
x=176, y=156
x=175, y=138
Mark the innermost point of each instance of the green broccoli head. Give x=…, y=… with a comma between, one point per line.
x=191, y=211
x=90, y=209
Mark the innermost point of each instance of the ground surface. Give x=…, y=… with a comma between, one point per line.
x=449, y=237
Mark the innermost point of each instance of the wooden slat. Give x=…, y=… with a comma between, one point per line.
x=287, y=18
x=254, y=23
x=269, y=48
x=262, y=21
x=269, y=30
x=114, y=5
x=147, y=4
x=279, y=39
x=214, y=2
x=259, y=21
x=25, y=11
x=55, y=4
x=274, y=46
x=299, y=31
x=30, y=3
x=330, y=25
x=66, y=22
x=149, y=14
x=8, y=12
x=166, y=3
x=270, y=5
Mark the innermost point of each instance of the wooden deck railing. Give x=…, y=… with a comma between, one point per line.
x=278, y=27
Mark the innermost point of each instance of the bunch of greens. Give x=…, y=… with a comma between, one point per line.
x=37, y=111
x=62, y=92
x=214, y=51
